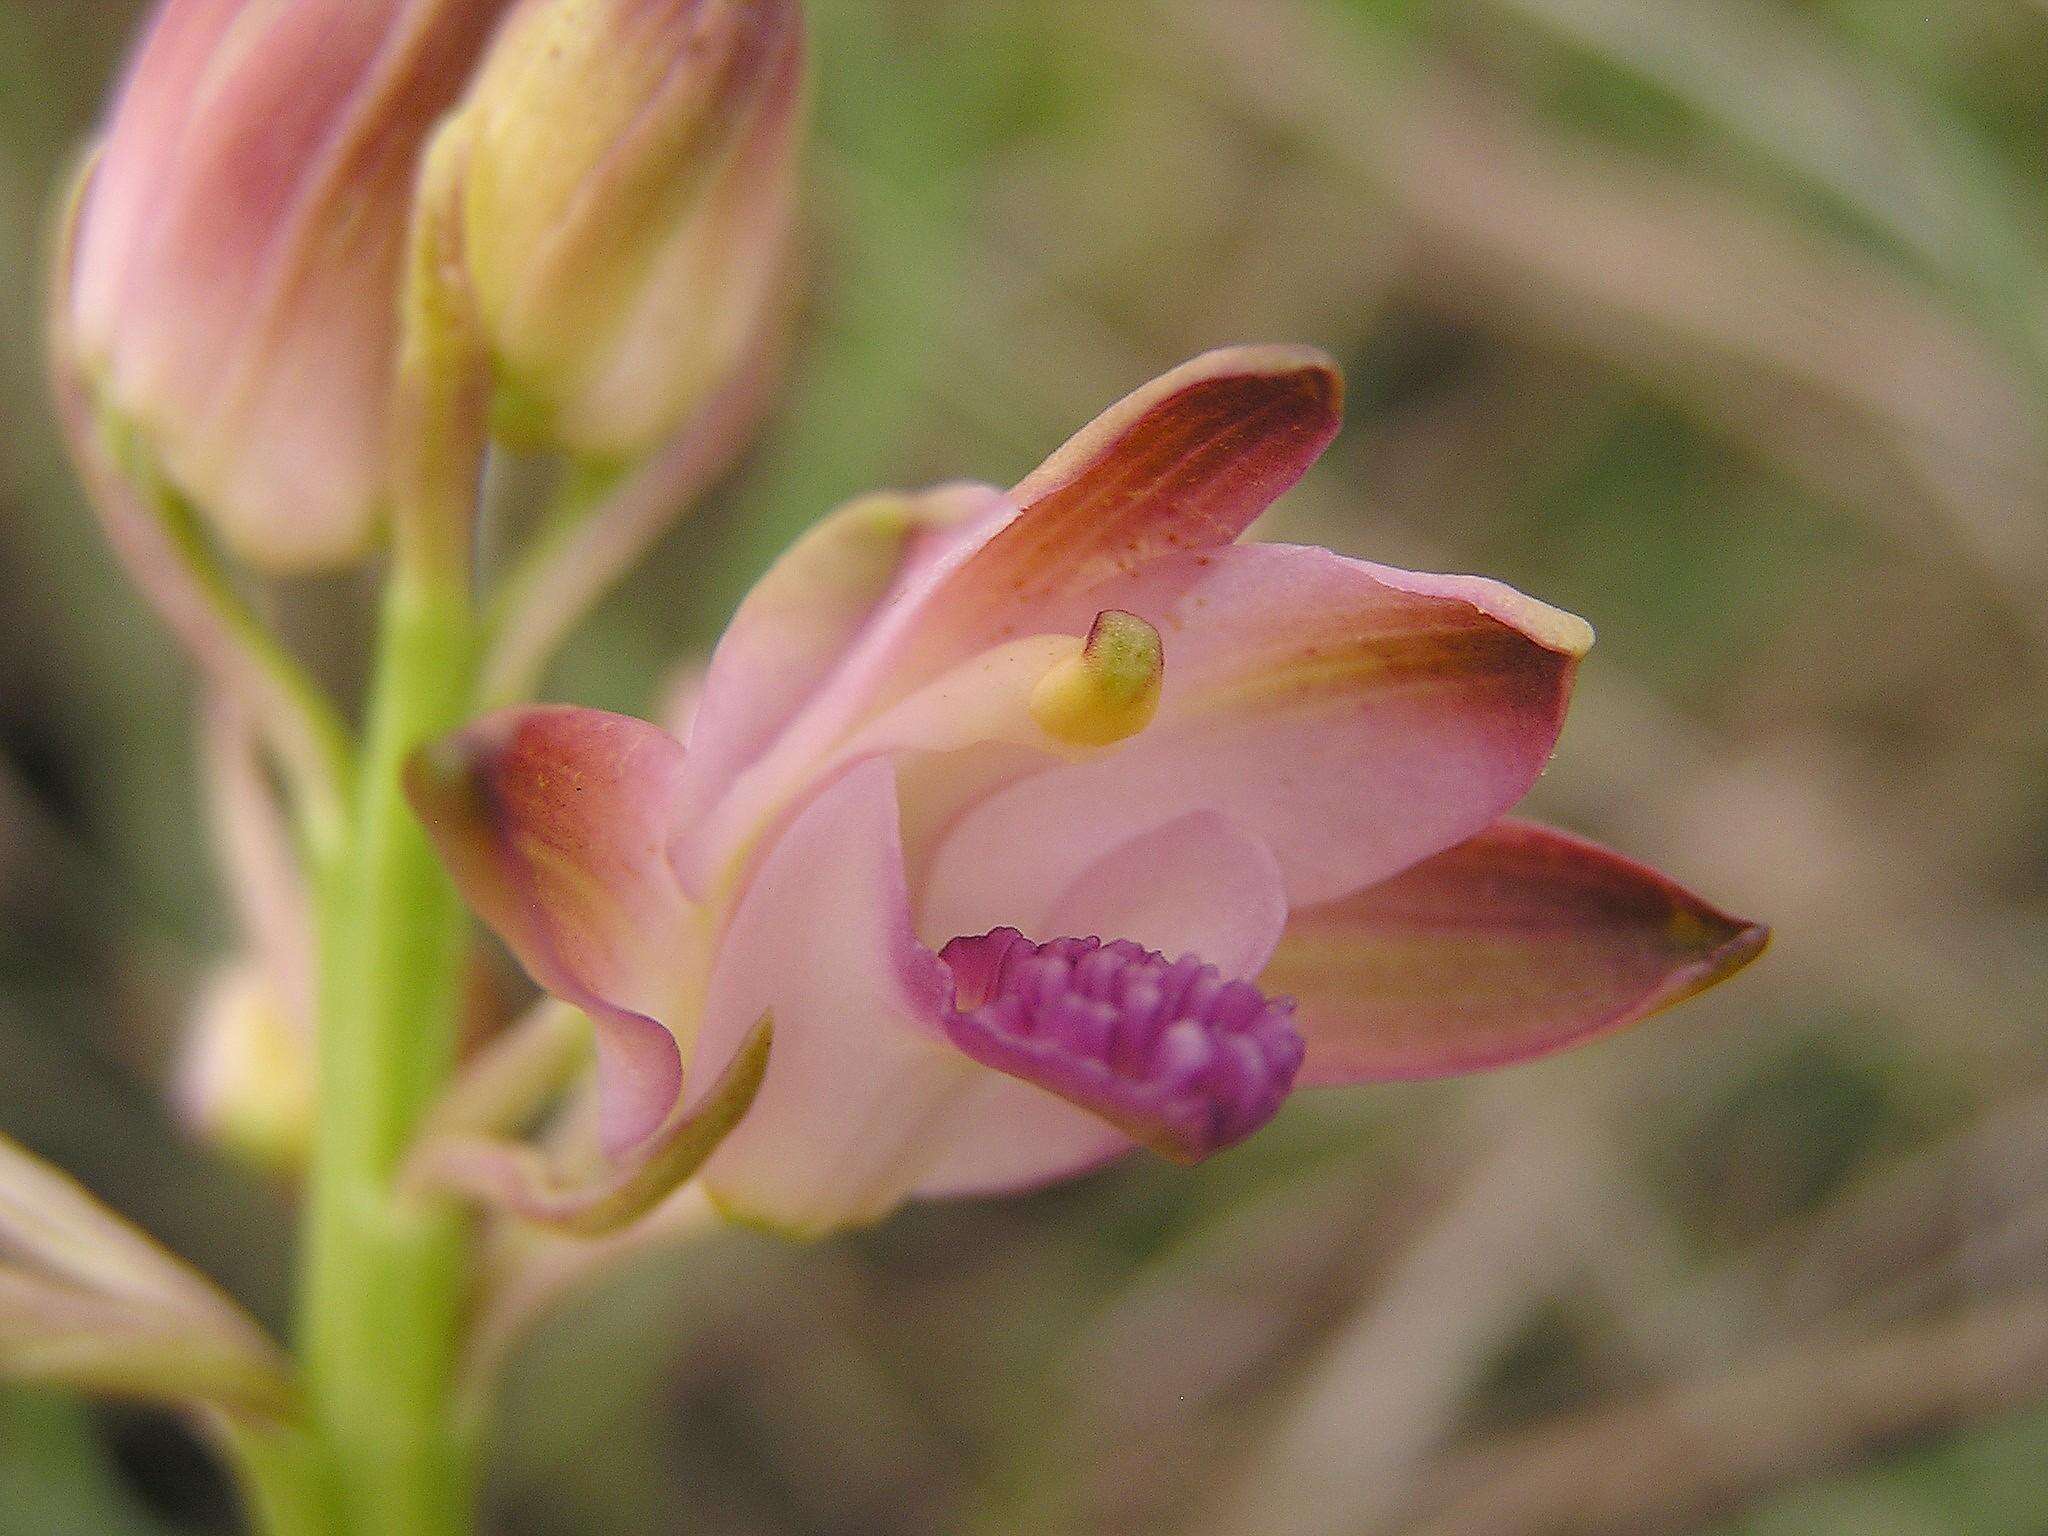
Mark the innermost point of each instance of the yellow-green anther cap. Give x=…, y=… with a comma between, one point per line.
x=1110, y=690
x=627, y=209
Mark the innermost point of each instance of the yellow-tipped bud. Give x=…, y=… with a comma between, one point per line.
x=1110, y=691
x=246, y=1080
x=626, y=208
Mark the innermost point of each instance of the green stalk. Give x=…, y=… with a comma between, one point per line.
x=384, y=1288
x=284, y=1477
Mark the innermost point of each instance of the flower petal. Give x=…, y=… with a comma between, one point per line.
x=1200, y=884
x=959, y=736
x=518, y=1178
x=1516, y=943
x=1352, y=718
x=1010, y=1136
x=860, y=1080
x=801, y=621
x=555, y=822
x=1185, y=463
x=806, y=655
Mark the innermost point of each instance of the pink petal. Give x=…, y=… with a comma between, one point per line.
x=1199, y=884
x=555, y=822
x=807, y=653
x=1516, y=943
x=798, y=625
x=1352, y=718
x=679, y=696
x=516, y=1177
x=958, y=737
x=1185, y=463
x=860, y=1082
x=1011, y=1136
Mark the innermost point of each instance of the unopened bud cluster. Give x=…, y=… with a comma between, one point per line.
x=230, y=292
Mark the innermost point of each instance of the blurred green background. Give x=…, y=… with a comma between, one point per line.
x=1722, y=322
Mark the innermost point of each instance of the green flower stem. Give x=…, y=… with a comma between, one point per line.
x=387, y=1273
x=523, y=627
x=384, y=1289
x=159, y=535
x=285, y=1478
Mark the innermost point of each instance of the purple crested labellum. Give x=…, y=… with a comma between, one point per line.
x=1168, y=1050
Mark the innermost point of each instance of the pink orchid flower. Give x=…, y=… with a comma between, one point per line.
x=1049, y=824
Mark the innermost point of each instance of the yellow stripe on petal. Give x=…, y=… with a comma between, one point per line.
x=1315, y=670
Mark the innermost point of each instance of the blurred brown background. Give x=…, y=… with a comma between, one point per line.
x=1721, y=322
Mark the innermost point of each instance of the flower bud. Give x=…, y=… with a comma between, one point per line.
x=627, y=208
x=233, y=277
x=245, y=1081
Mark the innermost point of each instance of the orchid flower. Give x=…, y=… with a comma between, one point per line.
x=1050, y=824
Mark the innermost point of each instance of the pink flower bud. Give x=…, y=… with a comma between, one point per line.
x=234, y=275
x=627, y=207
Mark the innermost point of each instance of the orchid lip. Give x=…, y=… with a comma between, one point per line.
x=1171, y=1052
